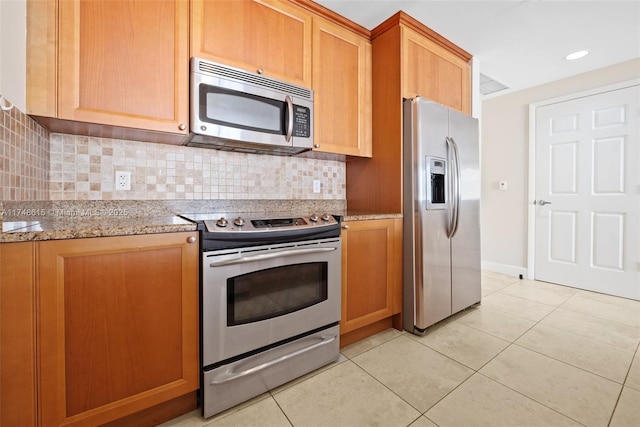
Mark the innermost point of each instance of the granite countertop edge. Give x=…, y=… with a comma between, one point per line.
x=47, y=230
x=357, y=216
x=58, y=220
x=35, y=230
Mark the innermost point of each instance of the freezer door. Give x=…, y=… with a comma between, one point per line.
x=433, y=278
x=427, y=278
x=465, y=244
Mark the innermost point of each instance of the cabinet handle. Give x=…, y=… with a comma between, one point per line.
x=316, y=145
x=346, y=227
x=191, y=239
x=182, y=126
x=260, y=71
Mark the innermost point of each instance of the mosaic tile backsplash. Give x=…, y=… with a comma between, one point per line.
x=24, y=157
x=36, y=165
x=83, y=168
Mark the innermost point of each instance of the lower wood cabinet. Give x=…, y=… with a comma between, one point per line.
x=371, y=278
x=17, y=335
x=117, y=321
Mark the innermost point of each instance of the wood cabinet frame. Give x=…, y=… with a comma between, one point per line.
x=375, y=185
x=54, y=87
x=53, y=316
x=17, y=335
x=342, y=114
x=368, y=303
x=281, y=14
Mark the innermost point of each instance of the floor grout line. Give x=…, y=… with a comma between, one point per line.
x=458, y=319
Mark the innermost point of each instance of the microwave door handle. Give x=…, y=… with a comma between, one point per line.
x=289, y=102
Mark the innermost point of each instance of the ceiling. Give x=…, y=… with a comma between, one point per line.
x=519, y=43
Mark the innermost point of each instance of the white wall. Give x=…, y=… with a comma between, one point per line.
x=13, y=51
x=505, y=145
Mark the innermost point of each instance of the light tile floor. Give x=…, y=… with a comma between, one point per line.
x=532, y=354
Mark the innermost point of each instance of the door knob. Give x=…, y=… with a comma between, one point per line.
x=543, y=202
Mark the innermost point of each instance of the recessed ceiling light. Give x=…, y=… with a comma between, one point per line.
x=576, y=55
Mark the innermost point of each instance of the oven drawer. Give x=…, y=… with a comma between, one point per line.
x=238, y=381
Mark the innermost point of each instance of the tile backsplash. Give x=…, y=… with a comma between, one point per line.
x=83, y=168
x=24, y=157
x=36, y=165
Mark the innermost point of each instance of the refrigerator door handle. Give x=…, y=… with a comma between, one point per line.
x=454, y=168
x=451, y=191
x=457, y=178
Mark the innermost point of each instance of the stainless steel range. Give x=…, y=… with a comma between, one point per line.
x=270, y=302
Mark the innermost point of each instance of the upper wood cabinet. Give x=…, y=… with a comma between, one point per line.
x=270, y=37
x=342, y=90
x=431, y=71
x=116, y=63
x=409, y=59
x=117, y=325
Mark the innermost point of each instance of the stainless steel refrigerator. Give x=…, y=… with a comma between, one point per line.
x=441, y=213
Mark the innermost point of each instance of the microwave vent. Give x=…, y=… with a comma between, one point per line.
x=236, y=74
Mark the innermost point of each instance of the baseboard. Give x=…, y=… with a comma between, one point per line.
x=509, y=270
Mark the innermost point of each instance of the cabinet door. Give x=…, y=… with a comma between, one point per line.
x=117, y=325
x=268, y=35
x=17, y=335
x=371, y=272
x=433, y=72
x=124, y=63
x=342, y=90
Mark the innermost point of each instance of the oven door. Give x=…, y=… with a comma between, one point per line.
x=255, y=297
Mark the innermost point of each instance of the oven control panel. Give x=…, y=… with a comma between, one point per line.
x=252, y=222
x=239, y=223
x=236, y=230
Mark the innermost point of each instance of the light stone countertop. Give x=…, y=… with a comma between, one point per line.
x=54, y=220
x=75, y=228
x=365, y=216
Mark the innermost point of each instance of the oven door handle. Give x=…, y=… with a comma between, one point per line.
x=231, y=376
x=271, y=255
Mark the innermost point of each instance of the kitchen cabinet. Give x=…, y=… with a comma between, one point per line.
x=117, y=326
x=342, y=90
x=122, y=65
x=269, y=37
x=17, y=335
x=434, y=72
x=371, y=278
x=408, y=59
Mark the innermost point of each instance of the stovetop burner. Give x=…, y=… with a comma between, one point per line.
x=232, y=230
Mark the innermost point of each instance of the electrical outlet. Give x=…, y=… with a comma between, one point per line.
x=503, y=185
x=123, y=180
x=316, y=185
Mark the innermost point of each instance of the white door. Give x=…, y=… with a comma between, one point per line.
x=588, y=173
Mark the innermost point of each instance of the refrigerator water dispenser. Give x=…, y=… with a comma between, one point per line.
x=436, y=189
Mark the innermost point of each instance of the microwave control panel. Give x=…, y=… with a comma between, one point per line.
x=301, y=121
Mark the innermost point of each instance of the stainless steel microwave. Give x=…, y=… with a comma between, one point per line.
x=235, y=110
